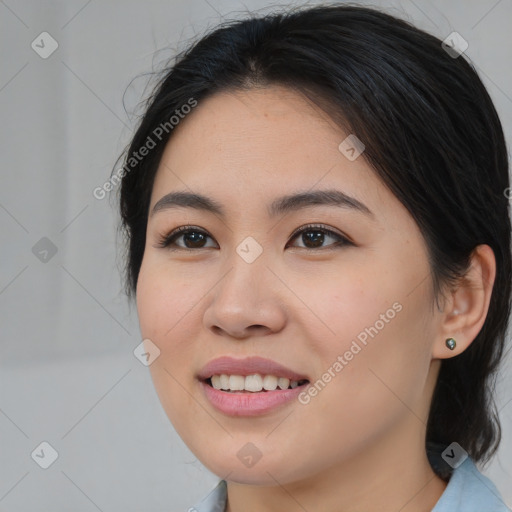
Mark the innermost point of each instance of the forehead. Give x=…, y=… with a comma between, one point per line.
x=273, y=135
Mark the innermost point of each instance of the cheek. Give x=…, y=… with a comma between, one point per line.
x=375, y=387
x=166, y=313
x=381, y=361
x=165, y=304
x=167, y=316
x=346, y=307
x=375, y=338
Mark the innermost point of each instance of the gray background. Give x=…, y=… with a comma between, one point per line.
x=68, y=375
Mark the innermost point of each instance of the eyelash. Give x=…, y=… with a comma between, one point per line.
x=165, y=241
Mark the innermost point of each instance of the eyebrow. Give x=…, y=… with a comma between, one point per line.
x=280, y=206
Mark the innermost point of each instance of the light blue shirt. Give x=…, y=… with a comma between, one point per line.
x=467, y=491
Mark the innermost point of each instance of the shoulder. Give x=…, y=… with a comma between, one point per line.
x=469, y=490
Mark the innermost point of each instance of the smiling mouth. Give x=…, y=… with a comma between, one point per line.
x=254, y=383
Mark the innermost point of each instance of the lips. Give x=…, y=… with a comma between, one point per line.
x=240, y=401
x=248, y=366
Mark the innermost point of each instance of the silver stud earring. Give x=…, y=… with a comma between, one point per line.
x=451, y=343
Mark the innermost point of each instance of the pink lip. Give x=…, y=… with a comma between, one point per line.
x=247, y=366
x=247, y=403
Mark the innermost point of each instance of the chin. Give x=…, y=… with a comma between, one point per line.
x=261, y=472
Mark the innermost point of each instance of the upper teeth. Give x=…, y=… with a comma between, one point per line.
x=253, y=382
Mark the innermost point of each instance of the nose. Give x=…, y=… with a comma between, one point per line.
x=248, y=300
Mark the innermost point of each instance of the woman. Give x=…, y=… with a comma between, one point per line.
x=318, y=241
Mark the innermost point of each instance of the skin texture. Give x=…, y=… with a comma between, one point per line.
x=358, y=445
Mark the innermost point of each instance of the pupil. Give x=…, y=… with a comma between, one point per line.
x=195, y=238
x=313, y=236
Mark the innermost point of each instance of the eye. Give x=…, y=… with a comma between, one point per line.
x=314, y=235
x=193, y=238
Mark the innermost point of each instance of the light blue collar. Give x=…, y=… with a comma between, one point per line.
x=470, y=491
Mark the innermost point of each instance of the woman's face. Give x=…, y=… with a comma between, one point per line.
x=347, y=309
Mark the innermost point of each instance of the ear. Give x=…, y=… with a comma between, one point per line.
x=466, y=305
